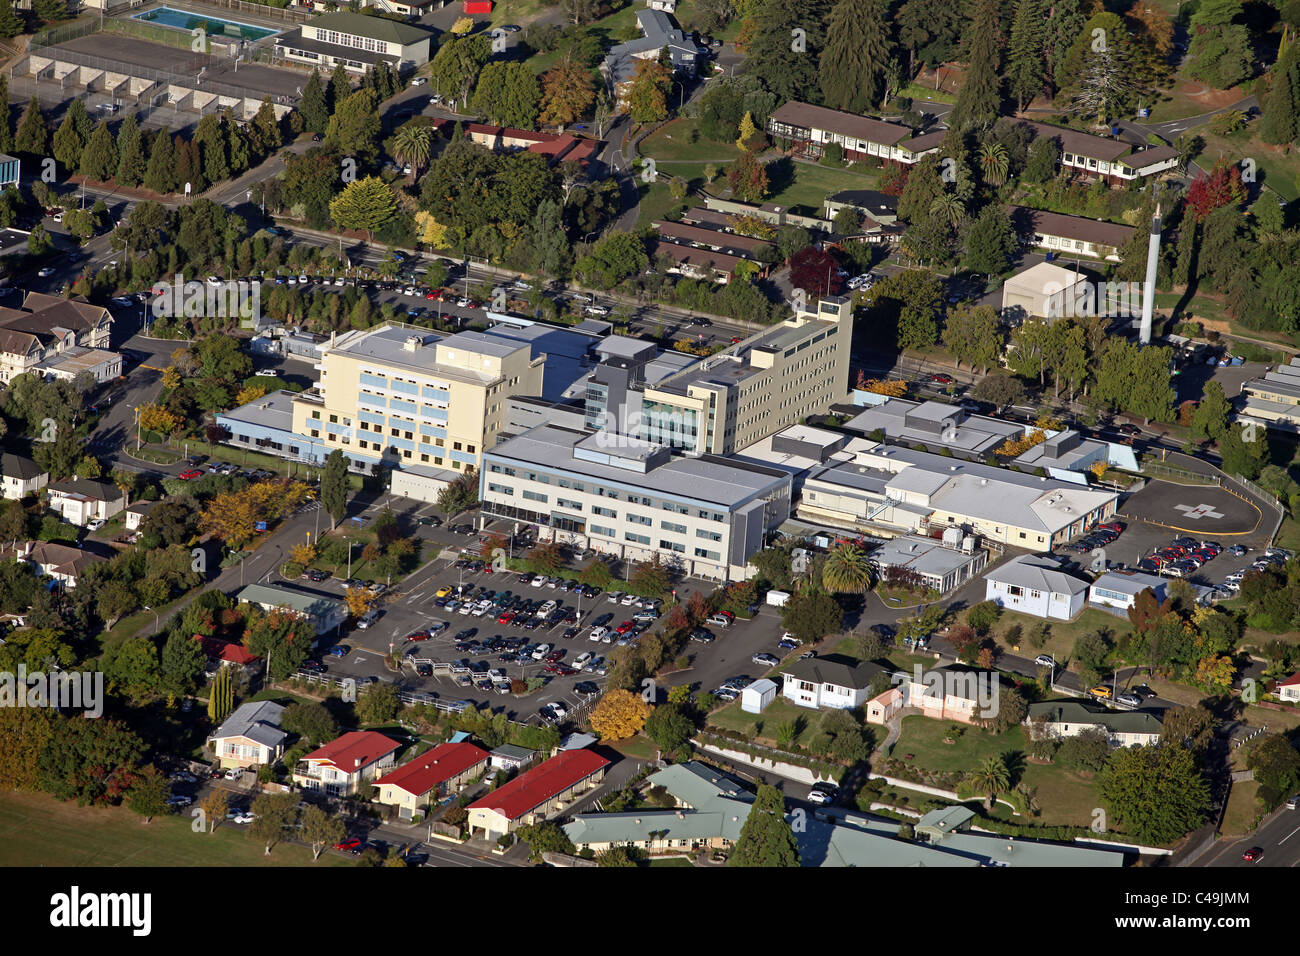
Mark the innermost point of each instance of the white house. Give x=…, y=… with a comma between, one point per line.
x=830, y=681
x=59, y=561
x=1289, y=689
x=250, y=736
x=22, y=476
x=342, y=765
x=82, y=500
x=1069, y=718
x=1121, y=588
x=136, y=514
x=1036, y=585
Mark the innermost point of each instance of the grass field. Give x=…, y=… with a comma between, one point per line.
x=37, y=830
x=1276, y=170
x=679, y=148
x=810, y=184
x=777, y=713
x=1242, y=809
x=1061, y=637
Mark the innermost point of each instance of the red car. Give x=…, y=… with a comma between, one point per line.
x=1253, y=854
x=564, y=670
x=191, y=473
x=1112, y=526
x=625, y=627
x=505, y=617
x=554, y=656
x=735, y=340
x=419, y=636
x=942, y=378
x=349, y=846
x=432, y=295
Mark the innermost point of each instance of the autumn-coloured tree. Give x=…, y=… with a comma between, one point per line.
x=647, y=96
x=893, y=178
x=813, y=270
x=567, y=93
x=746, y=225
x=359, y=601
x=1216, y=673
x=171, y=377
x=233, y=516
x=303, y=554
x=1221, y=186
x=1146, y=611
x=155, y=418
x=748, y=178
x=619, y=715
x=214, y=806
x=895, y=388
x=250, y=393
x=547, y=557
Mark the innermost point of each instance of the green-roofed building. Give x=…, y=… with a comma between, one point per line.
x=357, y=41
x=1070, y=717
x=326, y=613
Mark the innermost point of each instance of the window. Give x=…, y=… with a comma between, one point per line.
x=503, y=490
x=638, y=519
x=711, y=535
x=601, y=530
x=566, y=503
x=671, y=546
x=534, y=496
x=1015, y=590
x=604, y=512
x=675, y=528
x=636, y=538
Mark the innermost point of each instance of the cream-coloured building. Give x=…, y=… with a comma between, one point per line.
x=432, y=776
x=343, y=765
x=357, y=41
x=748, y=391
x=250, y=736
x=48, y=329
x=406, y=396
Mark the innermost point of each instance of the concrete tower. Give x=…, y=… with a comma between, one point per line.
x=1149, y=286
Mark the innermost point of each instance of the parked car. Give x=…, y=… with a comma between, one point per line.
x=1129, y=700
x=768, y=660
x=822, y=793
x=1045, y=660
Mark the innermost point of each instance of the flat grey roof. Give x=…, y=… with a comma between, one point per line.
x=1041, y=574
x=922, y=555
x=272, y=410
x=706, y=479
x=1129, y=582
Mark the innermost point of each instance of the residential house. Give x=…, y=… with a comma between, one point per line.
x=718, y=240
x=956, y=692
x=431, y=777
x=1289, y=689
x=1036, y=585
x=510, y=757
x=537, y=794
x=61, y=562
x=556, y=147
x=47, y=329
x=880, y=207
x=82, y=500
x=810, y=129
x=696, y=263
x=659, y=34
x=250, y=736
x=830, y=681
x=325, y=613
x=137, y=512
x=1070, y=235
x=228, y=654
x=22, y=476
x=1114, y=160
x=343, y=765
x=1120, y=589
x=1070, y=717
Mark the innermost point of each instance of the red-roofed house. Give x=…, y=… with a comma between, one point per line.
x=227, y=654
x=1289, y=689
x=432, y=776
x=556, y=147
x=342, y=765
x=538, y=794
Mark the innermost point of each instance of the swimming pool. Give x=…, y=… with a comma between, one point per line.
x=213, y=26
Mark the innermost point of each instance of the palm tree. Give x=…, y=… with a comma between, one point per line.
x=994, y=163
x=952, y=208
x=846, y=569
x=412, y=144
x=991, y=778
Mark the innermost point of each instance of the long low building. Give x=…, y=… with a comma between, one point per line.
x=812, y=128
x=1070, y=717
x=631, y=499
x=537, y=795
x=325, y=613
x=877, y=487
x=1274, y=398
x=1072, y=235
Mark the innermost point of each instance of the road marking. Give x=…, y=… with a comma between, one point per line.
x=1288, y=836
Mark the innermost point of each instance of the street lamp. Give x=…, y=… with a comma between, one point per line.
x=156, y=621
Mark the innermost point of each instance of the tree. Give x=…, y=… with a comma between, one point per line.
x=312, y=108
x=1281, y=121
x=912, y=299
x=215, y=806
x=1156, y=792
x=10, y=26
x=979, y=99
x=310, y=721
x=568, y=92
x=160, y=172
x=991, y=242
x=182, y=664
x=99, y=161
x=619, y=714
x=786, y=66
x=545, y=837
x=748, y=178
x=149, y=794
x=669, y=727
x=320, y=829
x=33, y=135
x=1220, y=50
x=924, y=185
x=846, y=570
x=811, y=615
x=221, y=697
x=274, y=813
x=414, y=144
x=1210, y=420
x=508, y=94
x=457, y=64
x=766, y=839
x=973, y=335
x=354, y=129
x=647, y=96
x=991, y=778
x=855, y=65
x=1025, y=65
x=334, y=487
x=379, y=704
x=364, y=204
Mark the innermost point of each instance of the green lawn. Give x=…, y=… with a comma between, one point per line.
x=678, y=147
x=731, y=717
x=1275, y=169
x=671, y=861
x=656, y=200
x=1063, y=634
x=37, y=830
x=810, y=184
